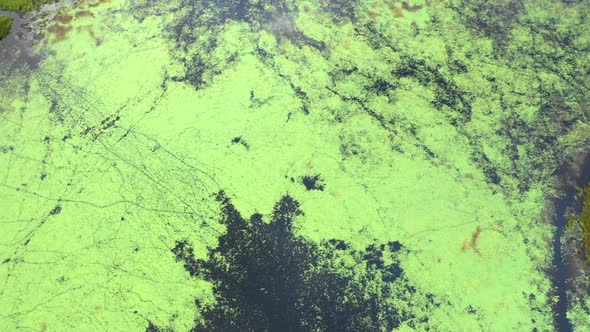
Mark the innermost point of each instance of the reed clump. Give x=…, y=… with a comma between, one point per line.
x=5, y=26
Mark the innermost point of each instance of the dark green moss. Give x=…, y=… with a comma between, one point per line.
x=5, y=26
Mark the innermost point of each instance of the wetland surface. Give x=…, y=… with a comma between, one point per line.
x=350, y=165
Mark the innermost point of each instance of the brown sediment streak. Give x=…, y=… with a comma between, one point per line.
x=397, y=12
x=64, y=18
x=474, y=238
x=83, y=14
x=90, y=30
x=98, y=3
x=373, y=14
x=473, y=243
x=60, y=32
x=409, y=8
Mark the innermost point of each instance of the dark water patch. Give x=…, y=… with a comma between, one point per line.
x=267, y=278
x=15, y=48
x=562, y=272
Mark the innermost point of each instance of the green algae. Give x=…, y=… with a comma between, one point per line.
x=424, y=129
x=5, y=26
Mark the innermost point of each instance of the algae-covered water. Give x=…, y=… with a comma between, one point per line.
x=286, y=165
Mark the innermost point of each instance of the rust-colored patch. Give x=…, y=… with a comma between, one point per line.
x=474, y=238
x=345, y=21
x=464, y=245
x=336, y=194
x=98, y=3
x=306, y=9
x=373, y=14
x=90, y=31
x=64, y=18
x=397, y=12
x=97, y=40
x=409, y=8
x=473, y=243
x=346, y=45
x=83, y=14
x=59, y=31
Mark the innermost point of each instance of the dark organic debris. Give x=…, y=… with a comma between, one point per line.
x=492, y=19
x=56, y=210
x=313, y=182
x=153, y=328
x=241, y=141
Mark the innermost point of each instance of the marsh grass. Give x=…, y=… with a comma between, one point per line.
x=585, y=219
x=22, y=5
x=5, y=26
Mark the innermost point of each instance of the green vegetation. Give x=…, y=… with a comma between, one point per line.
x=22, y=5
x=5, y=26
x=585, y=219
x=390, y=159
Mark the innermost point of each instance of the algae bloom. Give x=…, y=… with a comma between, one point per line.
x=293, y=165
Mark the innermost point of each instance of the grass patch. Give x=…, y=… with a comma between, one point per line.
x=585, y=219
x=22, y=5
x=5, y=26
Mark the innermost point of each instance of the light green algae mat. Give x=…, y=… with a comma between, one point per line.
x=290, y=165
